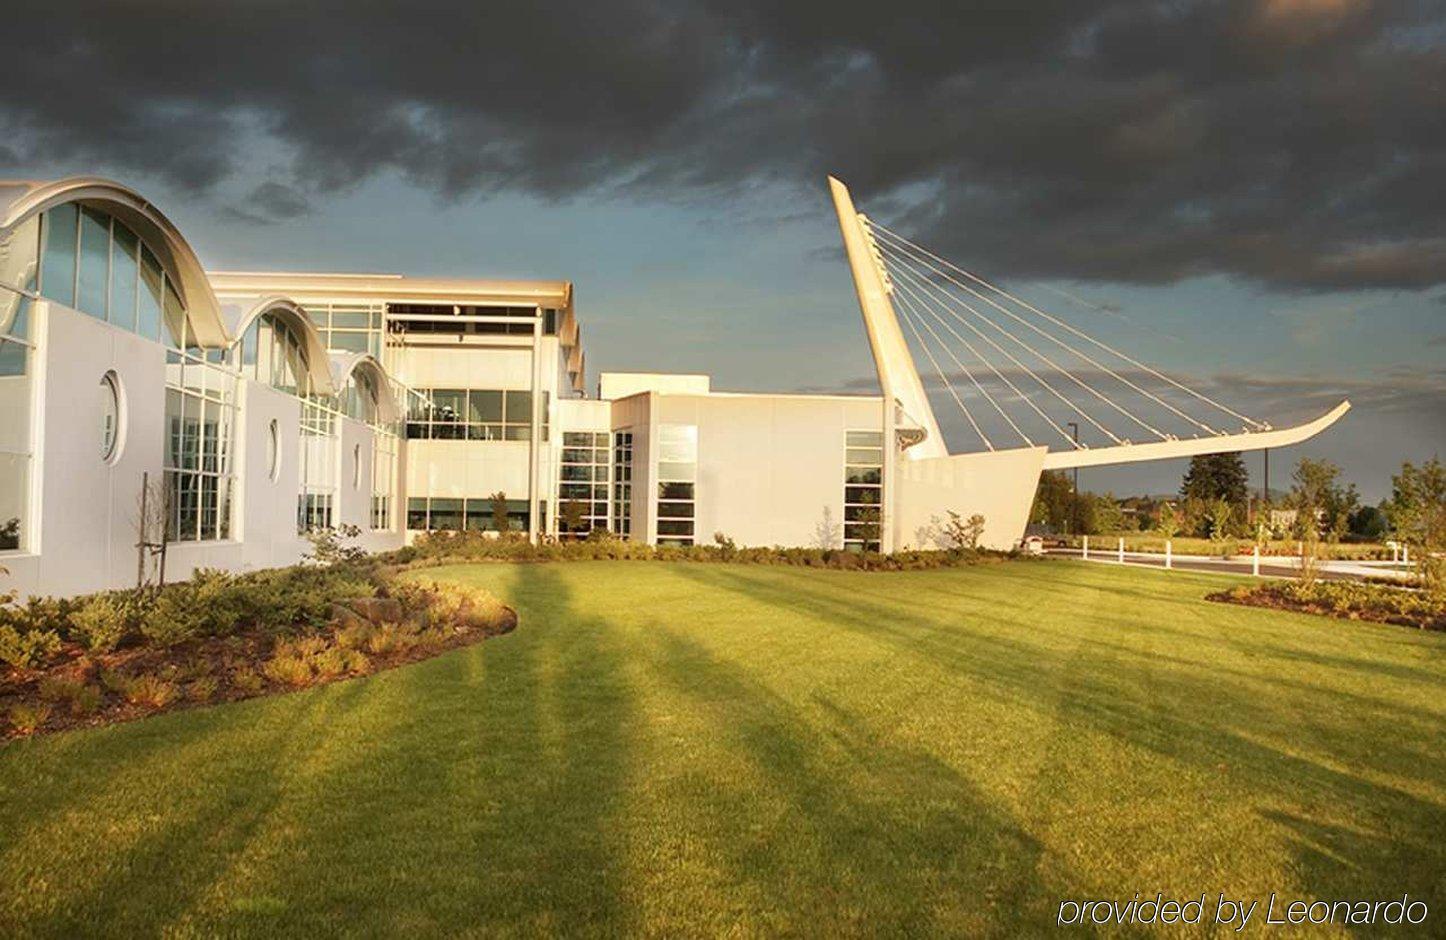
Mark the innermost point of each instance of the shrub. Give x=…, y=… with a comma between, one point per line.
x=332, y=663
x=151, y=691
x=246, y=681
x=55, y=689
x=101, y=621
x=175, y=617
x=26, y=718
x=202, y=689
x=28, y=649
x=85, y=701
x=288, y=669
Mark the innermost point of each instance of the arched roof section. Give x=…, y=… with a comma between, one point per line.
x=239, y=316
x=20, y=201
x=343, y=364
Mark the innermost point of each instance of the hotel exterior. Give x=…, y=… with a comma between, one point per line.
x=145, y=402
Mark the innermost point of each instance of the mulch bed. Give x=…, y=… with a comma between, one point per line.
x=1271, y=597
x=200, y=673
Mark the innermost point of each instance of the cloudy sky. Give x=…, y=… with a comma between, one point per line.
x=1249, y=194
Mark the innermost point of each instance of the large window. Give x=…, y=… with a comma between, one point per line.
x=200, y=422
x=316, y=502
x=473, y=514
x=94, y=263
x=582, y=487
x=863, y=489
x=677, y=481
x=348, y=327
x=460, y=414
x=384, y=477
x=18, y=258
x=623, y=482
x=461, y=319
x=271, y=352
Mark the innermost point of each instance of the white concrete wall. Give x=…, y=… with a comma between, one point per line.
x=84, y=510
x=768, y=465
x=998, y=485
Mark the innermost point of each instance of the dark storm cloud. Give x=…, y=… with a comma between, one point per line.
x=269, y=202
x=1294, y=142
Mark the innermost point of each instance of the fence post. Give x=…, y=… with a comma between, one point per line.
x=1406, y=553
x=1168, y=546
x=1122, y=551
x=1255, y=562
x=1086, y=553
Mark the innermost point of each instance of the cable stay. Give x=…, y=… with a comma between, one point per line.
x=1250, y=422
x=908, y=320
x=905, y=271
x=899, y=259
x=975, y=353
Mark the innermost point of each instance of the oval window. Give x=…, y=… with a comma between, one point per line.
x=110, y=417
x=273, y=450
x=356, y=467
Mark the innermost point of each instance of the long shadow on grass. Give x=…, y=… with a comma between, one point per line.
x=468, y=793
x=850, y=831
x=1205, y=721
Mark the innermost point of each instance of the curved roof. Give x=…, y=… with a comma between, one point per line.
x=343, y=364
x=20, y=200
x=238, y=318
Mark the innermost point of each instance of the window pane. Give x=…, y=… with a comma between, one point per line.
x=448, y=405
x=486, y=406
x=862, y=494
x=176, y=327
x=417, y=513
x=124, y=270
x=862, y=475
x=57, y=275
x=519, y=432
x=865, y=438
x=675, y=491
x=676, y=510
x=446, y=514
x=350, y=319
x=349, y=342
x=149, y=320
x=675, y=527
x=14, y=485
x=519, y=407
x=94, y=262
x=676, y=471
x=864, y=456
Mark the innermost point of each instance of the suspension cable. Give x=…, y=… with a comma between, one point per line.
x=945, y=379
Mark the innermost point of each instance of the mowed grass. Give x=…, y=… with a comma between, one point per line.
x=702, y=749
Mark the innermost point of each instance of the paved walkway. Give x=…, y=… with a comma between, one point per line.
x=1271, y=566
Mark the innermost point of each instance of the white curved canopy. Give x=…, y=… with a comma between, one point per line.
x=21, y=200
x=240, y=316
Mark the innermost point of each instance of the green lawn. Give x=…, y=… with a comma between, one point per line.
x=695, y=748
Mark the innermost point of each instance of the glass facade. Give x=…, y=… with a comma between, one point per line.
x=384, y=478
x=200, y=424
x=623, y=483
x=20, y=254
x=348, y=327
x=94, y=263
x=473, y=514
x=316, y=502
x=582, y=486
x=677, y=482
x=460, y=414
x=863, y=489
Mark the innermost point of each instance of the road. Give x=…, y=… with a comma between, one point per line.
x=1271, y=566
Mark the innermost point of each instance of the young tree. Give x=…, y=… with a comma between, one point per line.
x=1217, y=476
x=1322, y=504
x=1417, y=509
x=571, y=518
x=1168, y=523
x=1220, y=517
x=1052, y=500
x=961, y=534
x=500, y=520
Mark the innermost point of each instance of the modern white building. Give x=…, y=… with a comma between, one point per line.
x=246, y=408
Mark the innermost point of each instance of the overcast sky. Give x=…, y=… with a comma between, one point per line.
x=1250, y=194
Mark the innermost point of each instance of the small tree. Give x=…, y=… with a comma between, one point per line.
x=571, y=518
x=828, y=534
x=500, y=520
x=1417, y=509
x=328, y=546
x=1219, y=519
x=961, y=534
x=1169, y=522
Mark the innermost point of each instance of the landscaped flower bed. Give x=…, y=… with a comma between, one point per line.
x=123, y=655
x=1345, y=599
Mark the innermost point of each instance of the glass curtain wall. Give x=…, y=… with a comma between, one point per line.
x=677, y=481
x=460, y=414
x=92, y=262
x=19, y=258
x=863, y=489
x=623, y=482
x=582, y=487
